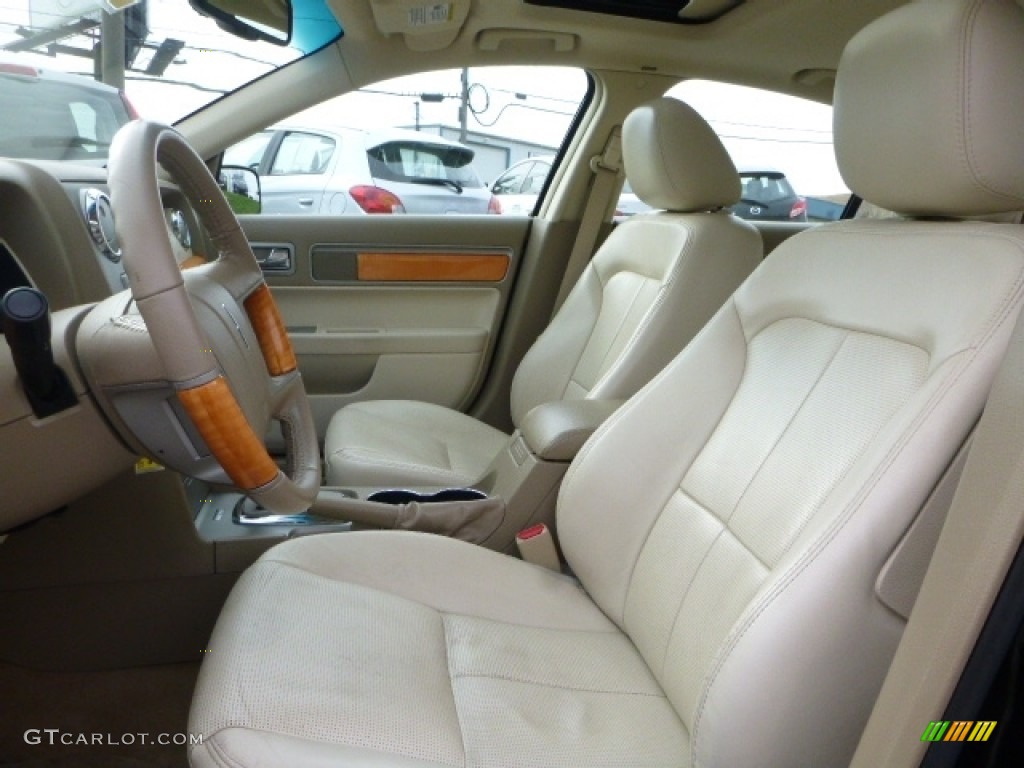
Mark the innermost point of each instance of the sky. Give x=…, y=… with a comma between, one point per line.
x=759, y=129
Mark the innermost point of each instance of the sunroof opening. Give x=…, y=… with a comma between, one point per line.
x=672, y=11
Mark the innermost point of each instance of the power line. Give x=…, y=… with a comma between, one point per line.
x=408, y=95
x=162, y=81
x=774, y=141
x=575, y=102
x=770, y=127
x=182, y=83
x=520, y=106
x=524, y=95
x=201, y=49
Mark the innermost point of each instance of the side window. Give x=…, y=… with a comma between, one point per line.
x=85, y=119
x=431, y=143
x=536, y=178
x=511, y=182
x=302, y=154
x=96, y=121
x=781, y=145
x=249, y=153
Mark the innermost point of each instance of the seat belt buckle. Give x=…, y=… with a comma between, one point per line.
x=537, y=545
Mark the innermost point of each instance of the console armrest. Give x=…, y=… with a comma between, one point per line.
x=556, y=431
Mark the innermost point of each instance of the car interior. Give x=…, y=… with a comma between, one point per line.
x=649, y=288
x=533, y=490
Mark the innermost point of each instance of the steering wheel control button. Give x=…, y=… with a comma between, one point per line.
x=99, y=218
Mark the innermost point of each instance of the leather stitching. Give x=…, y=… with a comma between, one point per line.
x=542, y=684
x=583, y=349
x=964, y=104
x=618, y=331
x=666, y=283
x=451, y=686
x=696, y=572
x=219, y=753
x=1003, y=313
x=682, y=474
x=785, y=430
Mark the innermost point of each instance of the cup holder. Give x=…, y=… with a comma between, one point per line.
x=398, y=496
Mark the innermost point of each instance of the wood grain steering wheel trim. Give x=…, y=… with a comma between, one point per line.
x=270, y=332
x=222, y=424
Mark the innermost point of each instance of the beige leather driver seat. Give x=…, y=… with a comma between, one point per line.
x=728, y=525
x=650, y=287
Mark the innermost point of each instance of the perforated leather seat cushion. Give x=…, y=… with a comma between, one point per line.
x=402, y=655
x=395, y=443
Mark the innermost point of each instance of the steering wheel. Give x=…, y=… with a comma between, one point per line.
x=217, y=332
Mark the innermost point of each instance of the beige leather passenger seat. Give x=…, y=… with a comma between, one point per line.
x=651, y=286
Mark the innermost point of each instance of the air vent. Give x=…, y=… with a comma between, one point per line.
x=99, y=218
x=672, y=11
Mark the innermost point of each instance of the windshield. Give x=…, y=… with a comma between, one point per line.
x=175, y=62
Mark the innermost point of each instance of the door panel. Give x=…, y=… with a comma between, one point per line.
x=370, y=343
x=393, y=307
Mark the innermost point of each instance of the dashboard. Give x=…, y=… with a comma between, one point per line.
x=57, y=235
x=57, y=224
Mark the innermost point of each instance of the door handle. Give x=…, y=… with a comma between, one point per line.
x=305, y=201
x=273, y=258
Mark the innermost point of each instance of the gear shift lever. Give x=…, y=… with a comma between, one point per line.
x=26, y=324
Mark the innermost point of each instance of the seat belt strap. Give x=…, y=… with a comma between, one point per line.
x=981, y=536
x=605, y=167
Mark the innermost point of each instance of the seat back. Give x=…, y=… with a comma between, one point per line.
x=657, y=278
x=734, y=516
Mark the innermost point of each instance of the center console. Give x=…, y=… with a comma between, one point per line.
x=518, y=490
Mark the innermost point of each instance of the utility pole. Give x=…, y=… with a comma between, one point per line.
x=464, y=105
x=112, y=63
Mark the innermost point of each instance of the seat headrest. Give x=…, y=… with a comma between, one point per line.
x=675, y=161
x=929, y=109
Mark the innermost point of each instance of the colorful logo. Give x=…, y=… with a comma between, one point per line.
x=958, y=730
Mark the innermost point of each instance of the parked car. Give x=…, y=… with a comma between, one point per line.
x=519, y=188
x=51, y=115
x=821, y=209
x=350, y=171
x=768, y=196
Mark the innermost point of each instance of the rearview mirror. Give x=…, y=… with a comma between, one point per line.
x=268, y=20
x=241, y=186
